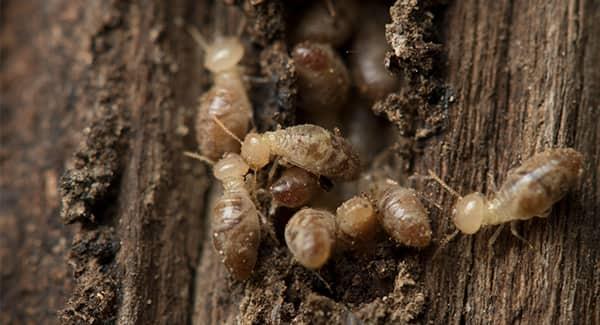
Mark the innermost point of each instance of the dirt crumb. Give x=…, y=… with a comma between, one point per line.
x=402, y=306
x=409, y=34
x=94, y=300
x=95, y=169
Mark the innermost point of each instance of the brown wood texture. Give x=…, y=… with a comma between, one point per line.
x=526, y=78
x=103, y=93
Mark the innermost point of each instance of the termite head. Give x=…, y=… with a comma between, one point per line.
x=256, y=151
x=230, y=166
x=224, y=54
x=469, y=213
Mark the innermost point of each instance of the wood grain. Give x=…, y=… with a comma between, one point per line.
x=526, y=78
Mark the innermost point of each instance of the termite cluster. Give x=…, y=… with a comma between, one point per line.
x=301, y=159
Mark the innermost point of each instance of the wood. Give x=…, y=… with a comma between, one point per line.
x=117, y=84
x=526, y=78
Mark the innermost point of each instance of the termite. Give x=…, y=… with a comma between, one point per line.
x=357, y=221
x=529, y=190
x=401, y=213
x=307, y=146
x=226, y=100
x=368, y=55
x=326, y=23
x=310, y=235
x=294, y=188
x=323, y=81
x=235, y=220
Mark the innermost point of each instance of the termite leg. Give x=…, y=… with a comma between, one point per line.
x=331, y=8
x=257, y=79
x=546, y=213
x=445, y=242
x=443, y=184
x=495, y=236
x=513, y=230
x=273, y=170
x=492, y=182
x=431, y=202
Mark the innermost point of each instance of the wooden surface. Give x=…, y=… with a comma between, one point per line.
x=103, y=94
x=526, y=78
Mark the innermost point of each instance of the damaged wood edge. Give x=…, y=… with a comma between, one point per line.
x=89, y=193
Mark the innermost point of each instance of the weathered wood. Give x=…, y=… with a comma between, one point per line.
x=526, y=77
x=117, y=83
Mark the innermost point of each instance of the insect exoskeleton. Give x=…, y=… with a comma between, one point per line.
x=294, y=188
x=307, y=146
x=325, y=22
x=357, y=220
x=226, y=100
x=235, y=222
x=402, y=215
x=368, y=54
x=530, y=190
x=323, y=79
x=310, y=235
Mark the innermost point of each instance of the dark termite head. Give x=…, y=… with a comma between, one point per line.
x=323, y=79
x=294, y=188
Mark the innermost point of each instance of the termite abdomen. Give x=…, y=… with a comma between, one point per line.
x=236, y=233
x=357, y=220
x=541, y=181
x=323, y=79
x=315, y=149
x=234, y=222
x=229, y=104
x=294, y=188
x=403, y=216
x=310, y=236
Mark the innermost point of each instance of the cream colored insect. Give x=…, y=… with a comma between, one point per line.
x=226, y=100
x=235, y=222
x=402, y=215
x=357, y=222
x=529, y=191
x=310, y=235
x=307, y=146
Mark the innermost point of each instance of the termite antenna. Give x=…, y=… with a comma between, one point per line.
x=323, y=280
x=241, y=26
x=231, y=134
x=443, y=184
x=514, y=232
x=199, y=157
x=197, y=36
x=331, y=8
x=430, y=201
x=444, y=242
